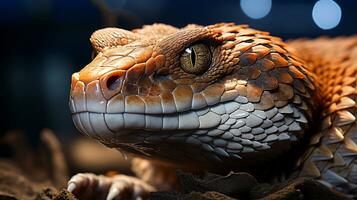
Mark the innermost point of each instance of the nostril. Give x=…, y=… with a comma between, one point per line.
x=113, y=82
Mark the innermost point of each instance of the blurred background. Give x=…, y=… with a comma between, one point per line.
x=45, y=41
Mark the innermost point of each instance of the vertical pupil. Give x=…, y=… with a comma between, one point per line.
x=193, y=56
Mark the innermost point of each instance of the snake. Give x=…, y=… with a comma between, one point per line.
x=223, y=97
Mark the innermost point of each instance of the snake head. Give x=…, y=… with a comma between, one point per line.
x=199, y=95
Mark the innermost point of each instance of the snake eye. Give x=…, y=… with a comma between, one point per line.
x=196, y=59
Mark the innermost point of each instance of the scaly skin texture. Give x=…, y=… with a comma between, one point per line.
x=256, y=105
x=333, y=151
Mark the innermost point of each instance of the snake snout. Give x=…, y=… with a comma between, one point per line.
x=90, y=94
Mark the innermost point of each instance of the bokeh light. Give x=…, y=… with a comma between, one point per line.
x=256, y=9
x=326, y=14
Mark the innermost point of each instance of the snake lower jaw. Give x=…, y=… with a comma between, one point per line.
x=140, y=142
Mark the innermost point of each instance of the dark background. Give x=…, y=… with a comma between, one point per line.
x=43, y=42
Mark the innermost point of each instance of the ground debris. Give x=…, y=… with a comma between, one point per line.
x=244, y=186
x=32, y=174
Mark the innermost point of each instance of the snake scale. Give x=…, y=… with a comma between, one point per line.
x=221, y=98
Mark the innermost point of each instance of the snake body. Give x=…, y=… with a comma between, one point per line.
x=224, y=97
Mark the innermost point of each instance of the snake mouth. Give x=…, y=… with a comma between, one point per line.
x=101, y=117
x=128, y=133
x=107, y=125
x=117, y=119
x=217, y=126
